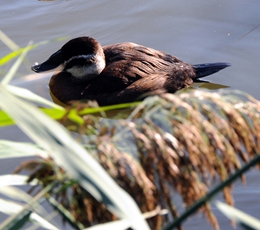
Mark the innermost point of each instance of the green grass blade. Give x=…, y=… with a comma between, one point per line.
x=7, y=58
x=58, y=112
x=108, y=108
x=8, y=77
x=5, y=119
x=55, y=113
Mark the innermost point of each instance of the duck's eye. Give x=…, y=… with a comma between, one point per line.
x=79, y=61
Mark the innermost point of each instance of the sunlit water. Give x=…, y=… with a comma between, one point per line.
x=195, y=31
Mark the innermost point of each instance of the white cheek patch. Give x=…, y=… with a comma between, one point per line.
x=79, y=71
x=89, y=71
x=100, y=63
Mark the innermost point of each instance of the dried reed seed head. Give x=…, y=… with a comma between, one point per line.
x=182, y=141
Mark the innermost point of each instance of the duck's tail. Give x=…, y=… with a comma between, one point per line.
x=206, y=69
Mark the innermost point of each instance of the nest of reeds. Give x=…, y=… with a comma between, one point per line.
x=171, y=145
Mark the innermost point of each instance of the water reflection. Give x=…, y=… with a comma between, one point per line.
x=208, y=85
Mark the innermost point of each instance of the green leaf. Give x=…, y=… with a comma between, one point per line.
x=55, y=113
x=13, y=55
x=5, y=119
x=59, y=112
x=15, y=66
x=108, y=108
x=18, y=52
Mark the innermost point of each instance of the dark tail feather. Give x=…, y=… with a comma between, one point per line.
x=206, y=69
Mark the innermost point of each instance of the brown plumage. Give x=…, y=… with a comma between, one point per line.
x=130, y=70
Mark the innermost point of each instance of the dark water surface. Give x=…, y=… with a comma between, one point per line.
x=195, y=31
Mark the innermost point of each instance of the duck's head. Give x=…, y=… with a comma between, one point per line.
x=82, y=57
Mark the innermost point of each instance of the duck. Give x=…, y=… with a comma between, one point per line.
x=117, y=73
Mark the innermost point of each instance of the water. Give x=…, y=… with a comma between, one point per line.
x=195, y=31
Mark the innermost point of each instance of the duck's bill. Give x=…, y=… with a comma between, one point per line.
x=52, y=63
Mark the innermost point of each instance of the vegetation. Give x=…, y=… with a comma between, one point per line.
x=169, y=146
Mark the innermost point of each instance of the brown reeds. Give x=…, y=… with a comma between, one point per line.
x=174, y=145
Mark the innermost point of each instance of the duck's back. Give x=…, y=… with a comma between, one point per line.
x=135, y=61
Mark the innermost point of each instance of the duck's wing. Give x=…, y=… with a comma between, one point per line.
x=139, y=90
x=128, y=62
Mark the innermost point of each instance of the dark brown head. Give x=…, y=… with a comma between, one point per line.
x=82, y=57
